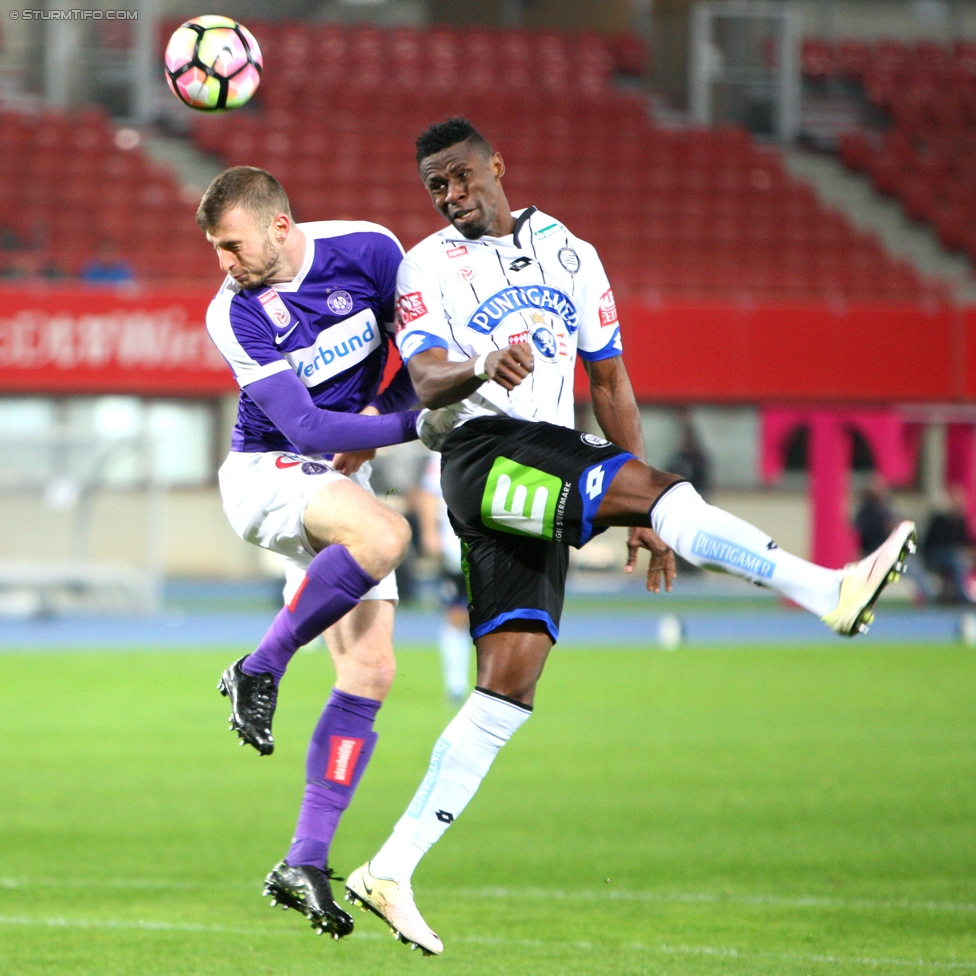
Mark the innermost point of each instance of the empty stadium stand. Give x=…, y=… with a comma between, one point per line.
x=924, y=153
x=674, y=213
x=74, y=185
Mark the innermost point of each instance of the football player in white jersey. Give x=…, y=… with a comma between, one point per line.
x=492, y=313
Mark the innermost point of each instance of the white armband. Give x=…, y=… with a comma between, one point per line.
x=479, y=367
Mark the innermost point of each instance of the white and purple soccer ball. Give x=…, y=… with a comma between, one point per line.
x=213, y=63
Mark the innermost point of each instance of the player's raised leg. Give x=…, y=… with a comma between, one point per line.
x=359, y=540
x=361, y=645
x=712, y=538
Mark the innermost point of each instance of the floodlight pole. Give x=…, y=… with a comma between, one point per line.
x=144, y=66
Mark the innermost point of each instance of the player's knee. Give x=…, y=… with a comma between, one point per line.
x=379, y=541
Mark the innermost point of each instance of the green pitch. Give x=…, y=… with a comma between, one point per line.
x=703, y=812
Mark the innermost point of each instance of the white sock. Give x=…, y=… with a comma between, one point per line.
x=460, y=761
x=455, y=647
x=707, y=536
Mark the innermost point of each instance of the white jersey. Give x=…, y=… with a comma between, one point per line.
x=540, y=285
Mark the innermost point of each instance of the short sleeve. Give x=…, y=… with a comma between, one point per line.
x=243, y=339
x=599, y=333
x=386, y=255
x=420, y=320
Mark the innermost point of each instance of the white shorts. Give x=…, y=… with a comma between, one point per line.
x=265, y=495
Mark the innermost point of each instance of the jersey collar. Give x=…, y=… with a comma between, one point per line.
x=520, y=222
x=296, y=282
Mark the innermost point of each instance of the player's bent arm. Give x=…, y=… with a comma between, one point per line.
x=614, y=404
x=398, y=395
x=312, y=430
x=440, y=383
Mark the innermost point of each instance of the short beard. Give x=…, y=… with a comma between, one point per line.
x=474, y=231
x=273, y=256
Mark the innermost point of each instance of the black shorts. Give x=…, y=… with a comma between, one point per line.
x=518, y=494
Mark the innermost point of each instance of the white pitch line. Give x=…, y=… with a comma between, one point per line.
x=502, y=942
x=709, y=898
x=539, y=894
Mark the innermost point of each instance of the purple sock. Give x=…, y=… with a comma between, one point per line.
x=334, y=583
x=340, y=748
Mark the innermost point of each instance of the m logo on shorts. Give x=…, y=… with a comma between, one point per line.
x=520, y=499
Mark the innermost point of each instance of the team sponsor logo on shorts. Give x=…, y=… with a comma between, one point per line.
x=719, y=551
x=569, y=259
x=343, y=753
x=409, y=307
x=457, y=252
x=287, y=461
x=608, y=309
x=593, y=440
x=492, y=312
x=313, y=467
x=545, y=343
x=520, y=499
x=339, y=302
x=465, y=273
x=275, y=307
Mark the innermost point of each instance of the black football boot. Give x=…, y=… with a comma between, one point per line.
x=306, y=889
x=252, y=700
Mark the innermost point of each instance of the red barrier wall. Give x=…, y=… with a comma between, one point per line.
x=815, y=354
x=88, y=340
x=153, y=341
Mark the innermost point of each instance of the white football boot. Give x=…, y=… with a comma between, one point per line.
x=393, y=902
x=863, y=581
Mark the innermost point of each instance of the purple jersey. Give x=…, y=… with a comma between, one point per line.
x=330, y=325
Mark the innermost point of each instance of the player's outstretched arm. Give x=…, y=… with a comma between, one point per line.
x=440, y=383
x=316, y=431
x=617, y=414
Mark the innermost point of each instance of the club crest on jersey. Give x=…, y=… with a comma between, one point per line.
x=339, y=302
x=493, y=311
x=569, y=259
x=275, y=307
x=545, y=343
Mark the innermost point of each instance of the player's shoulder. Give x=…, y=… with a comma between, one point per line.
x=548, y=231
x=218, y=311
x=232, y=306
x=318, y=230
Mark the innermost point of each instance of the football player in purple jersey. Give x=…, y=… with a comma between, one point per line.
x=304, y=319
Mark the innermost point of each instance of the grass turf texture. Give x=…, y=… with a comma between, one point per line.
x=755, y=811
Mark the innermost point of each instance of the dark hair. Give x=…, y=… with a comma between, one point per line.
x=254, y=190
x=449, y=133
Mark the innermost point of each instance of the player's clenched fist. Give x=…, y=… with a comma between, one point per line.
x=509, y=366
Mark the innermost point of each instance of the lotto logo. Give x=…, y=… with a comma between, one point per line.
x=608, y=309
x=594, y=482
x=343, y=753
x=408, y=308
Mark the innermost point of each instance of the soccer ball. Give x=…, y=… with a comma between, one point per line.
x=213, y=63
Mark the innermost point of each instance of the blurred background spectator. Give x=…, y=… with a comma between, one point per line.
x=948, y=548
